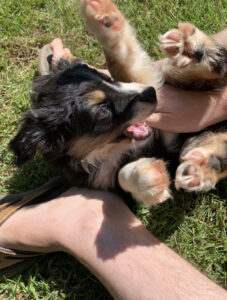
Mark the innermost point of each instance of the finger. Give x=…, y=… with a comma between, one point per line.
x=154, y=119
x=163, y=122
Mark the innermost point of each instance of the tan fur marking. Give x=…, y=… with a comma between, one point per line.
x=86, y=144
x=96, y=97
x=69, y=57
x=214, y=143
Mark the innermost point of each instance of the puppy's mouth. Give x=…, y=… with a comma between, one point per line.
x=138, y=131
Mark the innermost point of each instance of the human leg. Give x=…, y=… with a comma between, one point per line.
x=98, y=229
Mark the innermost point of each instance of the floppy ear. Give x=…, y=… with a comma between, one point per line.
x=27, y=141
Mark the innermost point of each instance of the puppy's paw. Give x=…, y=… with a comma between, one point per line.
x=187, y=45
x=198, y=172
x=103, y=19
x=147, y=180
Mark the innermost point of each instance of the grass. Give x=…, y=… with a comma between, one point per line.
x=192, y=225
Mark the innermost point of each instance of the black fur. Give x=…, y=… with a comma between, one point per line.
x=62, y=115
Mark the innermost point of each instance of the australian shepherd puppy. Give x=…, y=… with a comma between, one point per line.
x=91, y=127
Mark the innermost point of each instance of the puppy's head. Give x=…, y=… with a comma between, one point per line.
x=77, y=109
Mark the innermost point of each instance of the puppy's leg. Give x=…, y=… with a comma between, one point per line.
x=126, y=59
x=204, y=162
x=147, y=180
x=195, y=59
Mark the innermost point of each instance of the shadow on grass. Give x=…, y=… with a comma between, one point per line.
x=165, y=219
x=57, y=275
x=31, y=175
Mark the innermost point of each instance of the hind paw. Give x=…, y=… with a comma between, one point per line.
x=198, y=172
x=147, y=180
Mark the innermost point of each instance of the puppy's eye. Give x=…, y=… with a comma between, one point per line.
x=104, y=112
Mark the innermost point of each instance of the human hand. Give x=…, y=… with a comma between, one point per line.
x=182, y=111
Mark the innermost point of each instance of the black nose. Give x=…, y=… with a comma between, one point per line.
x=148, y=95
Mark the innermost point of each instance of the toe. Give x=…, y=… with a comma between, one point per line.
x=174, y=35
x=172, y=51
x=187, y=29
x=96, y=6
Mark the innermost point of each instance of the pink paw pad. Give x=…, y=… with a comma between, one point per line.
x=193, y=172
x=176, y=45
x=189, y=176
x=197, y=156
x=197, y=171
x=174, y=35
x=187, y=29
x=104, y=12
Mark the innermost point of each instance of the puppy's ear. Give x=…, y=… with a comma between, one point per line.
x=27, y=141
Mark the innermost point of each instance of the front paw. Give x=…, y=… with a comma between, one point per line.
x=103, y=19
x=186, y=45
x=147, y=180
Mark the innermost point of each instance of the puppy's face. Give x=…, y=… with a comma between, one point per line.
x=77, y=110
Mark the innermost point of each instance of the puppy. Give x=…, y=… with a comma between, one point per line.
x=92, y=129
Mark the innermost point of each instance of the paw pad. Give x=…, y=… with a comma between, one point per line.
x=101, y=12
x=176, y=45
x=197, y=172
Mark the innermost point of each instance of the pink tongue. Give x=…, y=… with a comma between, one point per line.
x=138, y=131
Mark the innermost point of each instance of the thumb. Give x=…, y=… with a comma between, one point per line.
x=155, y=120
x=161, y=121
x=165, y=122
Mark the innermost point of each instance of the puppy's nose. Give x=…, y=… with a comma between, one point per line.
x=148, y=95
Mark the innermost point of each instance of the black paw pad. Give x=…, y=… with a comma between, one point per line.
x=106, y=21
x=215, y=163
x=198, y=53
x=189, y=170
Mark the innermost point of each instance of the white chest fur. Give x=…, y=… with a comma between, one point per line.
x=107, y=161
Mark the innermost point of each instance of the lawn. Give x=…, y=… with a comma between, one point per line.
x=193, y=225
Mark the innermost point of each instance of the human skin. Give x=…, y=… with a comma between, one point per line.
x=182, y=111
x=99, y=230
